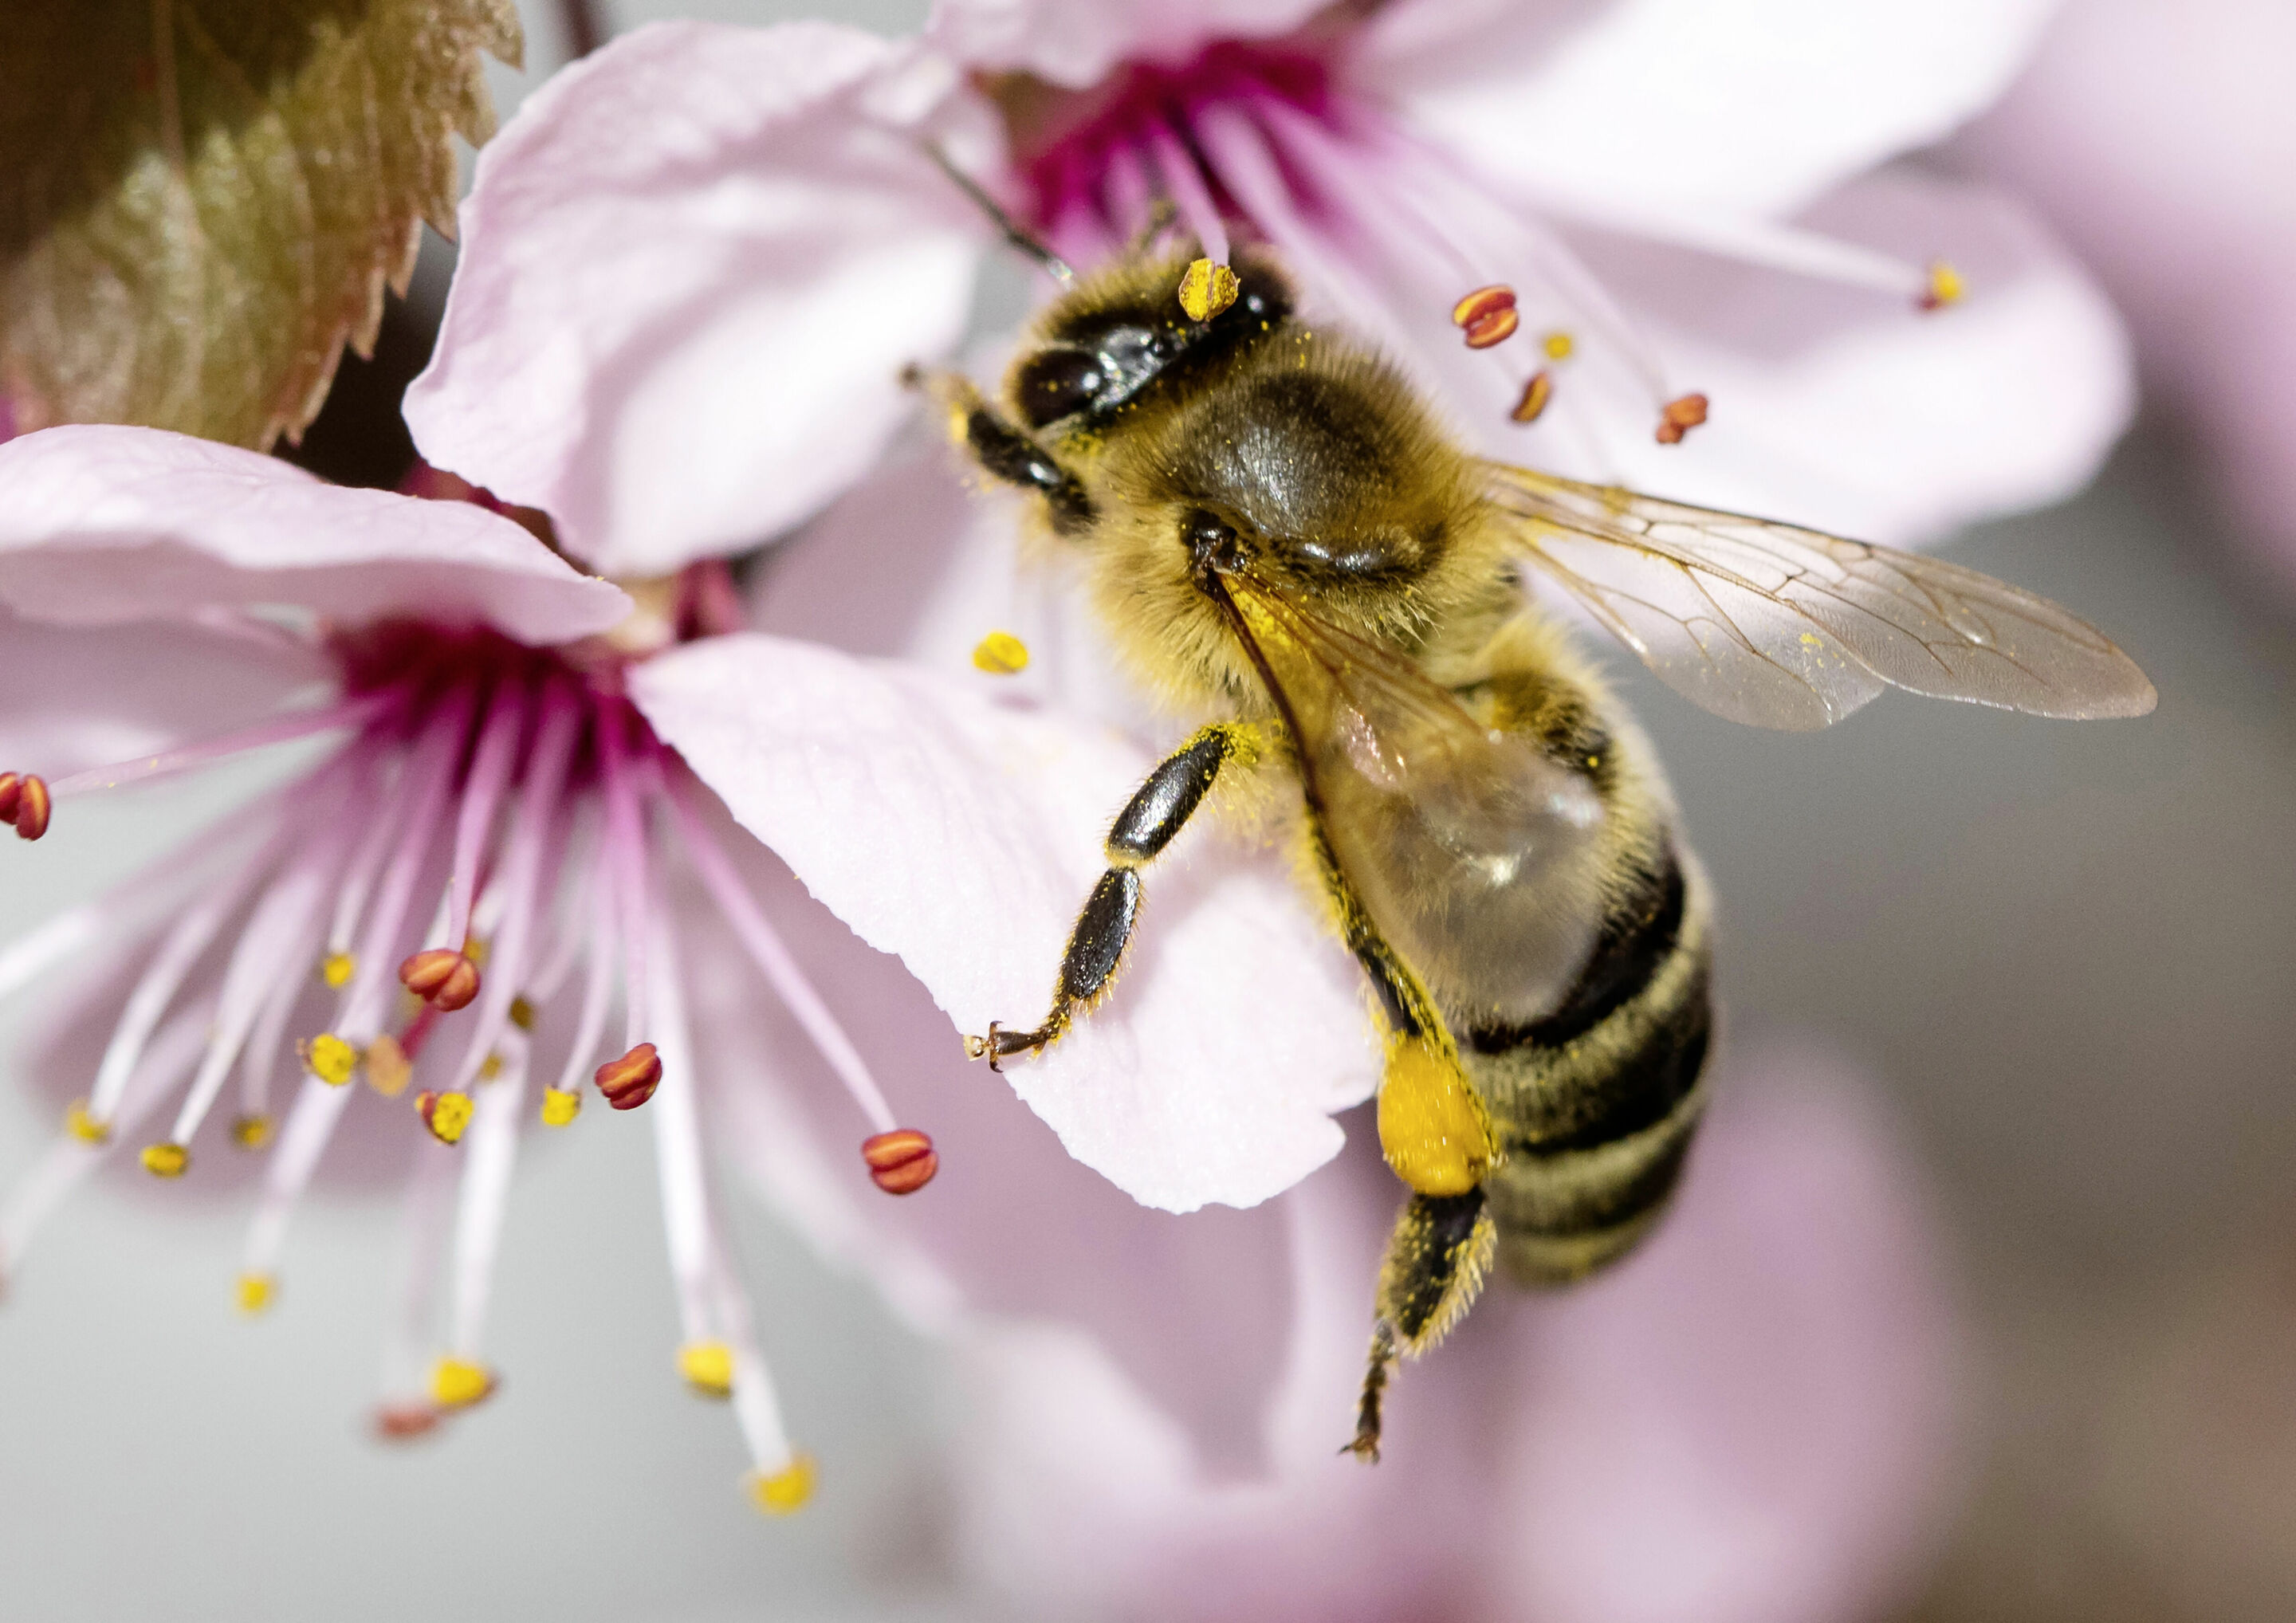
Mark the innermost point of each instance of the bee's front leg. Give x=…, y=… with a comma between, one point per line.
x=1005, y=449
x=1156, y=813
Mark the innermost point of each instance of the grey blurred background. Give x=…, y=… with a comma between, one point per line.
x=2061, y=949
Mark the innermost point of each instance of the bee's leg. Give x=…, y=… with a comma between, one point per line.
x=1156, y=812
x=1006, y=450
x=1436, y=1260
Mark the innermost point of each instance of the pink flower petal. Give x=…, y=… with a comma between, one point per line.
x=101, y=525
x=1752, y=1419
x=964, y=836
x=692, y=268
x=1076, y=42
x=1755, y=106
x=81, y=696
x=2158, y=138
x=1850, y=411
x=1010, y=1230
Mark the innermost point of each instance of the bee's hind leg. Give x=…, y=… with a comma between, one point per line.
x=1156, y=813
x=1436, y=1260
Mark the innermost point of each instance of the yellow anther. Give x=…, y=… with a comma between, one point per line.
x=166, y=1159
x=490, y=1067
x=521, y=1013
x=335, y=968
x=1432, y=1127
x=330, y=1059
x=251, y=1132
x=457, y=1383
x=1000, y=653
x=1207, y=289
x=84, y=1126
x=1558, y=345
x=446, y=1115
x=387, y=1068
x=475, y=949
x=256, y=1291
x=707, y=1367
x=559, y=1107
x=1945, y=286
x=783, y=1492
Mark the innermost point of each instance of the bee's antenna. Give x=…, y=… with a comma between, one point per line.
x=1058, y=267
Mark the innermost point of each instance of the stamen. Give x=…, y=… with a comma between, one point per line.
x=1678, y=416
x=1945, y=287
x=251, y=1132
x=626, y=852
x=256, y=1292
x=630, y=1080
x=1183, y=184
x=1487, y=316
x=783, y=1492
x=1000, y=653
x=1536, y=392
x=1558, y=345
x=457, y=1383
x=84, y=1126
x=350, y=713
x=335, y=969
x=166, y=1159
x=1206, y=289
x=901, y=1161
x=491, y=1157
x=707, y=1367
x=11, y=794
x=441, y=976
x=773, y=957
x=328, y=1058
x=446, y=1115
x=388, y=1069
x=559, y=1107
x=30, y=812
x=489, y=775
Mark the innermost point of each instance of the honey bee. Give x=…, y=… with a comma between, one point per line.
x=1283, y=542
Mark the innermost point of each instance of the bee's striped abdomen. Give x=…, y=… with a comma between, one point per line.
x=1596, y=1101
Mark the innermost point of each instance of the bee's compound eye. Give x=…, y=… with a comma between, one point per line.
x=1057, y=384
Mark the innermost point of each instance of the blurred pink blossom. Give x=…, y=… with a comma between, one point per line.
x=2161, y=139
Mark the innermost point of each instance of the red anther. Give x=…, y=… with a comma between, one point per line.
x=901, y=1161
x=1487, y=316
x=1678, y=416
x=629, y=1081
x=402, y=1422
x=441, y=976
x=31, y=807
x=1536, y=393
x=12, y=788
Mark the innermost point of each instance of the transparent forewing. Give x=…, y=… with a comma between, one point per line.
x=1782, y=626
x=1466, y=843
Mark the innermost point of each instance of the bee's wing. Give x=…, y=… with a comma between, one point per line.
x=1787, y=627
x=1370, y=714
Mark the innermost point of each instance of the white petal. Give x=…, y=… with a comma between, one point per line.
x=964, y=837
x=692, y=268
x=100, y=525
x=1711, y=105
x=1852, y=412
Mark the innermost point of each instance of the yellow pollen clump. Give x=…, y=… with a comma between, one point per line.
x=1945, y=286
x=330, y=1059
x=166, y=1159
x=490, y=1067
x=1432, y=1128
x=783, y=1492
x=457, y=1383
x=387, y=1068
x=256, y=1291
x=447, y=1116
x=521, y=1013
x=251, y=1132
x=84, y=1126
x=1000, y=653
x=335, y=968
x=707, y=1367
x=1207, y=289
x=559, y=1107
x=1558, y=345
